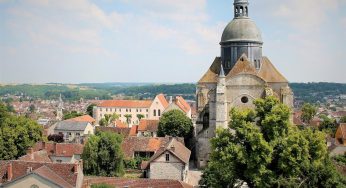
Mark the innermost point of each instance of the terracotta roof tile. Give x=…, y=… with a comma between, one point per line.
x=182, y=104
x=126, y=103
x=37, y=156
x=47, y=173
x=134, y=130
x=85, y=118
x=163, y=100
x=136, y=183
x=60, y=149
x=148, y=125
x=120, y=124
x=63, y=170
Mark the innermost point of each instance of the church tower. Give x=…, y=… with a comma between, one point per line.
x=235, y=79
x=59, y=111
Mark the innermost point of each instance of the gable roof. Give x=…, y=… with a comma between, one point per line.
x=163, y=100
x=71, y=126
x=126, y=103
x=130, y=145
x=182, y=104
x=85, y=118
x=120, y=124
x=148, y=125
x=211, y=75
x=174, y=147
x=267, y=72
x=63, y=170
x=38, y=156
x=59, y=149
x=48, y=174
x=134, y=130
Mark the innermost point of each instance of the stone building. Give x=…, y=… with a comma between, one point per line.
x=235, y=79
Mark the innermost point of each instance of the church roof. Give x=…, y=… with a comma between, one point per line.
x=243, y=66
x=211, y=75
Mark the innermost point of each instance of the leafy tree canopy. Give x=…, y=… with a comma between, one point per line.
x=72, y=114
x=90, y=110
x=308, y=112
x=175, y=123
x=17, y=134
x=265, y=150
x=343, y=119
x=102, y=155
x=108, y=119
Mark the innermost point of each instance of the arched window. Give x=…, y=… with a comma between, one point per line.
x=154, y=112
x=246, y=13
x=241, y=10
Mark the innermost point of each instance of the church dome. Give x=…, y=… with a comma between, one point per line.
x=241, y=30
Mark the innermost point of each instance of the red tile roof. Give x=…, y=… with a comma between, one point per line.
x=63, y=170
x=126, y=103
x=148, y=125
x=47, y=173
x=163, y=100
x=182, y=104
x=120, y=124
x=85, y=118
x=123, y=131
x=143, y=144
x=60, y=149
x=342, y=126
x=135, y=183
x=134, y=130
x=37, y=156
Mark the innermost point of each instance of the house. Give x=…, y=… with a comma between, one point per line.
x=150, y=109
x=180, y=104
x=144, y=146
x=74, y=131
x=54, y=152
x=40, y=174
x=123, y=131
x=340, y=134
x=148, y=128
x=169, y=162
x=84, y=118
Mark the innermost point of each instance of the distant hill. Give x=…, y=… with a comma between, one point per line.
x=308, y=92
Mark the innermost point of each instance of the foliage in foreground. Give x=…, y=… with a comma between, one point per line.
x=102, y=155
x=17, y=134
x=267, y=151
x=103, y=185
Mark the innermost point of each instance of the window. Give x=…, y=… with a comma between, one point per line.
x=244, y=100
x=154, y=112
x=159, y=112
x=59, y=161
x=137, y=110
x=147, y=110
x=127, y=110
x=167, y=157
x=106, y=109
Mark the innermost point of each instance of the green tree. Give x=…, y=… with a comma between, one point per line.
x=175, y=123
x=343, y=119
x=140, y=116
x=17, y=134
x=102, y=155
x=328, y=125
x=108, y=119
x=128, y=118
x=90, y=110
x=265, y=150
x=72, y=114
x=308, y=112
x=32, y=108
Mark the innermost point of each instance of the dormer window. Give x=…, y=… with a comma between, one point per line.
x=167, y=157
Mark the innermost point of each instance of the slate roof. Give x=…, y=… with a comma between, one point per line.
x=71, y=126
x=148, y=125
x=267, y=72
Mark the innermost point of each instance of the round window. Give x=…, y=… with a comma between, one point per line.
x=244, y=100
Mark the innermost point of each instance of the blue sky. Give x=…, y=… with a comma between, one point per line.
x=74, y=41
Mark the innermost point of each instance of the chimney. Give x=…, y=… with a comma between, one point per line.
x=75, y=167
x=30, y=153
x=172, y=148
x=55, y=147
x=9, y=172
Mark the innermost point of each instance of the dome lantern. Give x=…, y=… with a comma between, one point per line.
x=241, y=8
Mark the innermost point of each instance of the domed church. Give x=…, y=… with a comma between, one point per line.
x=235, y=79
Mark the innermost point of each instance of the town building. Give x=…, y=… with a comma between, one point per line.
x=128, y=110
x=180, y=104
x=147, y=128
x=54, y=152
x=84, y=118
x=169, y=162
x=235, y=79
x=340, y=134
x=40, y=174
x=74, y=131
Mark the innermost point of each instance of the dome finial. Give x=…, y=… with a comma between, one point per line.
x=241, y=8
